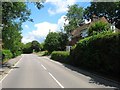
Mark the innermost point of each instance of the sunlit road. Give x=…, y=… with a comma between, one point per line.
x=40, y=72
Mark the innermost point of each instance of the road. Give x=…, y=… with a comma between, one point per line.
x=40, y=72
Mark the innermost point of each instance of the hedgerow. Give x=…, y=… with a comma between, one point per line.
x=99, y=52
x=61, y=56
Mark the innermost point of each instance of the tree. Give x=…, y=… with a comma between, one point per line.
x=52, y=42
x=35, y=46
x=41, y=45
x=74, y=16
x=55, y=41
x=111, y=10
x=27, y=48
x=98, y=27
x=63, y=40
x=11, y=36
x=13, y=14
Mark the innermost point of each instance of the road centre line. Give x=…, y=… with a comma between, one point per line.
x=43, y=67
x=56, y=80
x=11, y=69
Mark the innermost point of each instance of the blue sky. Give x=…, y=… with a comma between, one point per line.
x=49, y=18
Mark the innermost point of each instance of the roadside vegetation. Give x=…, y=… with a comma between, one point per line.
x=99, y=52
x=7, y=54
x=61, y=56
x=13, y=15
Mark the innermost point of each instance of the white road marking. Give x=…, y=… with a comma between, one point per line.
x=11, y=70
x=56, y=80
x=56, y=62
x=43, y=67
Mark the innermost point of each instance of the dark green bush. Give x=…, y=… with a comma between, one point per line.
x=61, y=56
x=100, y=53
x=7, y=54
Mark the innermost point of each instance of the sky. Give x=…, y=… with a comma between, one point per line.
x=48, y=19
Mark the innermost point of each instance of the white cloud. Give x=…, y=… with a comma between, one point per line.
x=60, y=6
x=42, y=29
x=62, y=21
x=26, y=26
x=27, y=39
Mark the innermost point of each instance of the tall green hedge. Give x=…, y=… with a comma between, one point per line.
x=61, y=56
x=100, y=53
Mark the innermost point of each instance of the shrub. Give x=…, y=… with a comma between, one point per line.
x=61, y=56
x=98, y=27
x=7, y=54
x=100, y=53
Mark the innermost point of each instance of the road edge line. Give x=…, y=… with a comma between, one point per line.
x=56, y=80
x=11, y=70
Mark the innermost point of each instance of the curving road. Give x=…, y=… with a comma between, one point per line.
x=40, y=72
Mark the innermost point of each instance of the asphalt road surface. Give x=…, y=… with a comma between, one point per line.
x=40, y=72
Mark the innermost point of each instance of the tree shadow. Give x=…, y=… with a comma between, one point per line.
x=10, y=66
x=99, y=80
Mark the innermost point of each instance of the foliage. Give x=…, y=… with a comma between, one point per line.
x=98, y=27
x=74, y=16
x=35, y=46
x=43, y=53
x=63, y=39
x=17, y=10
x=27, y=48
x=111, y=10
x=61, y=56
x=55, y=41
x=31, y=46
x=41, y=45
x=13, y=15
x=11, y=38
x=99, y=52
x=7, y=54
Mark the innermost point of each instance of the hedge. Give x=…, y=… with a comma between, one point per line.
x=61, y=56
x=7, y=55
x=99, y=53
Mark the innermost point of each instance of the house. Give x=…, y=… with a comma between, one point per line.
x=82, y=30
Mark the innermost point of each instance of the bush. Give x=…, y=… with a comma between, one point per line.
x=100, y=53
x=17, y=53
x=98, y=27
x=61, y=56
x=7, y=55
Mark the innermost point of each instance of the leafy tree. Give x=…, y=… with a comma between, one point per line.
x=35, y=46
x=111, y=10
x=52, y=42
x=63, y=40
x=13, y=14
x=27, y=48
x=55, y=41
x=41, y=45
x=74, y=16
x=11, y=36
x=98, y=27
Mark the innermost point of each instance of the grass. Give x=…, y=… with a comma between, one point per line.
x=43, y=53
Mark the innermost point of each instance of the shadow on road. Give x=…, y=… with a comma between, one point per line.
x=94, y=78
x=10, y=66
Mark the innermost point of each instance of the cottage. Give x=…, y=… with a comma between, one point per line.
x=82, y=30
